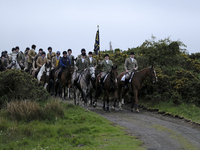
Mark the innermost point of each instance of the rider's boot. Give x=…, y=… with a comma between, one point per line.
x=126, y=84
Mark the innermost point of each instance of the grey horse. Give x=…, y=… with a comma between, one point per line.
x=84, y=85
x=14, y=64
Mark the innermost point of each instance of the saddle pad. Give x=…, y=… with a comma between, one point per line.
x=131, y=76
x=105, y=78
x=79, y=78
x=123, y=78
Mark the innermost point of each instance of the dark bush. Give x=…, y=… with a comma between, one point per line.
x=18, y=85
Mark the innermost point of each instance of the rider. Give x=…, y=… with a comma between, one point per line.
x=50, y=55
x=64, y=63
x=91, y=61
x=71, y=57
x=4, y=61
x=13, y=55
x=82, y=51
x=106, y=64
x=40, y=62
x=36, y=57
x=31, y=56
x=130, y=66
x=20, y=57
x=56, y=60
x=81, y=65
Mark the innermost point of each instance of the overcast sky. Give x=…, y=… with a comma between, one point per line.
x=64, y=24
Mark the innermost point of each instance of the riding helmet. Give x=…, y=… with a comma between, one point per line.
x=90, y=53
x=83, y=54
x=49, y=48
x=6, y=52
x=64, y=52
x=27, y=48
x=13, y=49
x=17, y=47
x=40, y=49
x=43, y=53
x=33, y=46
x=69, y=50
x=58, y=52
x=106, y=55
x=82, y=50
x=132, y=53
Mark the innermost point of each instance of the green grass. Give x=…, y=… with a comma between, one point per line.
x=77, y=127
x=188, y=111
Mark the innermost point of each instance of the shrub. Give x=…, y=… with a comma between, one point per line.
x=18, y=85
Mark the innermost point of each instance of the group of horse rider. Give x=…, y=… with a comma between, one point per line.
x=30, y=60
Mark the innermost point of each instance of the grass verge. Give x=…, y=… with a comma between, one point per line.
x=77, y=129
x=187, y=111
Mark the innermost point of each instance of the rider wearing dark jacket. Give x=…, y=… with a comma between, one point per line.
x=64, y=63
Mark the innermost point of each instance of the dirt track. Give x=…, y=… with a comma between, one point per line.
x=157, y=132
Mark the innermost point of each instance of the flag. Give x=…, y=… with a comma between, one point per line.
x=96, y=45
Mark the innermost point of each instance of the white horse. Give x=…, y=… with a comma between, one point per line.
x=43, y=74
x=14, y=64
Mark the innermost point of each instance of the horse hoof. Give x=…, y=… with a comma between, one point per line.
x=108, y=111
x=120, y=109
x=113, y=108
x=137, y=111
x=132, y=110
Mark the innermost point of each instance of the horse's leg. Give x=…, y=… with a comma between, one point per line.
x=115, y=101
x=68, y=92
x=65, y=92
x=107, y=98
x=121, y=101
x=104, y=102
x=85, y=98
x=53, y=88
x=45, y=85
x=136, y=100
x=90, y=94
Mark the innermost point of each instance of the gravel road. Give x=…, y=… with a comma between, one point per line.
x=157, y=132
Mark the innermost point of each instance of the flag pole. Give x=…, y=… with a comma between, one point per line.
x=99, y=43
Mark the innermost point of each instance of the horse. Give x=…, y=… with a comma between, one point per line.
x=84, y=85
x=110, y=85
x=43, y=74
x=134, y=85
x=14, y=64
x=65, y=80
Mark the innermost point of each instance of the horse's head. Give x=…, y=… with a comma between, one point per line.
x=47, y=68
x=13, y=62
x=114, y=73
x=92, y=72
x=71, y=69
x=152, y=74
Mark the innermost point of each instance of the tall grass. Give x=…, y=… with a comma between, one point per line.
x=30, y=110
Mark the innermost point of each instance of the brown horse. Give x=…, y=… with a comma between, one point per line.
x=65, y=80
x=135, y=85
x=110, y=85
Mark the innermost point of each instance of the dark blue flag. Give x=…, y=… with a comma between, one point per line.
x=96, y=45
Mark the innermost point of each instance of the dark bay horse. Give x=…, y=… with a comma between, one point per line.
x=110, y=85
x=135, y=85
x=84, y=85
x=65, y=80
